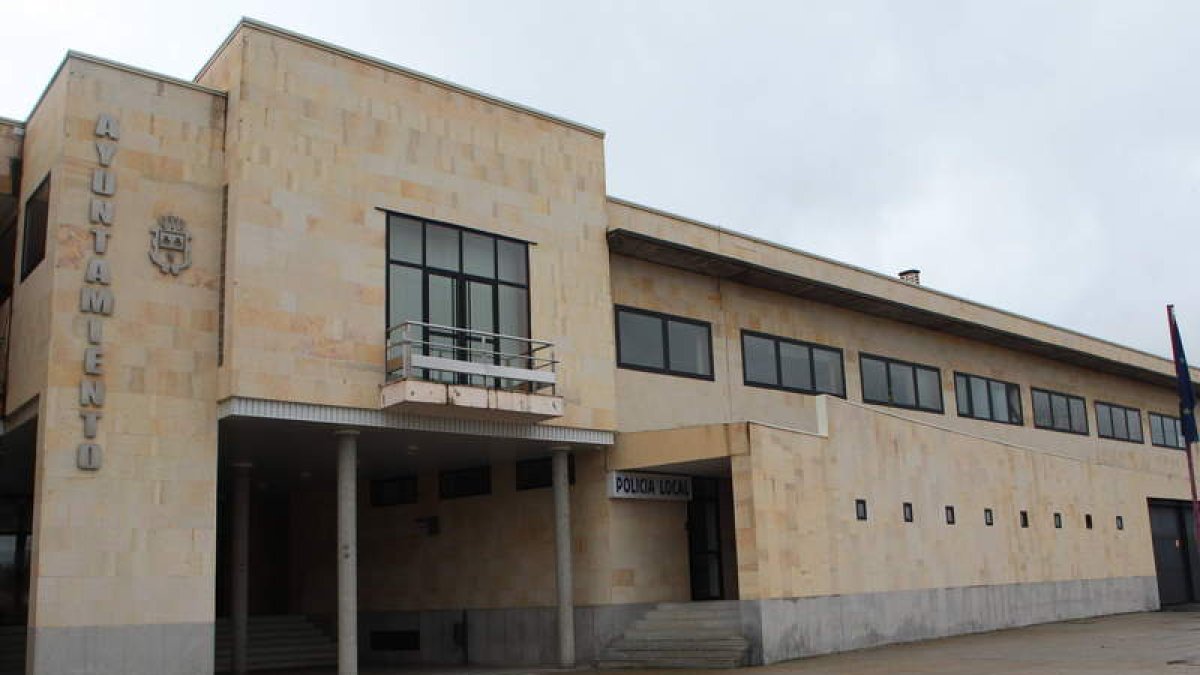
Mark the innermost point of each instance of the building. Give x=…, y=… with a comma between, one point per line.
x=317, y=347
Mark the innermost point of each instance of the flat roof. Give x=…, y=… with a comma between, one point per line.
x=720, y=252
x=387, y=65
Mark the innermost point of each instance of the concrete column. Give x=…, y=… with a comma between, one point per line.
x=347, y=534
x=240, y=602
x=562, y=558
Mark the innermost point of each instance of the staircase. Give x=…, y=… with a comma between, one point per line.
x=277, y=642
x=12, y=650
x=681, y=635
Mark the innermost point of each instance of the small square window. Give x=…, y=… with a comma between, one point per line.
x=949, y=515
x=908, y=512
x=1120, y=522
x=860, y=509
x=1087, y=521
x=1025, y=519
x=1058, y=521
x=988, y=518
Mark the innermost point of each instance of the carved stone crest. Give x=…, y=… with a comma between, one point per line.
x=171, y=245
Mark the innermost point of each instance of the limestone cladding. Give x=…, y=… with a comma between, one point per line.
x=319, y=142
x=134, y=542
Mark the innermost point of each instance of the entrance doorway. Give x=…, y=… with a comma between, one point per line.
x=705, y=540
x=1175, y=554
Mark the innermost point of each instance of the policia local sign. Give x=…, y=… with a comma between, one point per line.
x=633, y=485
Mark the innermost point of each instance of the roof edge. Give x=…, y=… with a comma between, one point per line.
x=387, y=65
x=879, y=275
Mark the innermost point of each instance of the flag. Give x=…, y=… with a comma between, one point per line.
x=1187, y=395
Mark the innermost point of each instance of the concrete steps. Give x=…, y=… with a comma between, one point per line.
x=681, y=635
x=276, y=642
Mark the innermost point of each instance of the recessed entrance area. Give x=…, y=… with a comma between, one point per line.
x=17, y=451
x=455, y=545
x=1176, y=559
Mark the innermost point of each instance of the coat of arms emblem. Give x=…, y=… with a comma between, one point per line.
x=171, y=245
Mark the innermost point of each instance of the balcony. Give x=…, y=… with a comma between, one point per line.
x=442, y=370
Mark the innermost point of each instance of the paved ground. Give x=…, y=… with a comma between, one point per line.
x=1166, y=643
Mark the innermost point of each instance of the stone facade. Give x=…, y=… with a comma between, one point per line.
x=282, y=159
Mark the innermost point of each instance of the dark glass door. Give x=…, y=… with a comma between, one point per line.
x=704, y=540
x=1171, y=554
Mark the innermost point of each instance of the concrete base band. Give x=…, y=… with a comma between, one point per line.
x=162, y=649
x=778, y=629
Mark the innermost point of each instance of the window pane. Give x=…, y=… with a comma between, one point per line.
x=961, y=395
x=689, y=347
x=1134, y=421
x=1014, y=405
x=1156, y=430
x=1062, y=415
x=514, y=320
x=979, y=398
x=443, y=300
x=829, y=376
x=797, y=371
x=512, y=261
x=1042, y=415
x=404, y=295
x=479, y=255
x=640, y=340
x=999, y=409
x=404, y=239
x=441, y=247
x=1119, y=429
x=929, y=389
x=874, y=374
x=758, y=356
x=37, y=216
x=1078, y=416
x=480, y=307
x=1174, y=434
x=903, y=389
x=1104, y=425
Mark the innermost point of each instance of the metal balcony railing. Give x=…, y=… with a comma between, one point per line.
x=425, y=351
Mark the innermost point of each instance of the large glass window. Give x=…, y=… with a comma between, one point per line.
x=1118, y=422
x=662, y=343
x=1166, y=431
x=986, y=399
x=455, y=278
x=902, y=384
x=776, y=362
x=1059, y=412
x=37, y=220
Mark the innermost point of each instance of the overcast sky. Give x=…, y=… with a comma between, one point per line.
x=1039, y=157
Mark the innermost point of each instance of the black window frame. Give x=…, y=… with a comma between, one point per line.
x=812, y=364
x=1178, y=431
x=33, y=248
x=446, y=479
x=1125, y=409
x=527, y=473
x=665, y=320
x=1087, y=429
x=970, y=392
x=887, y=360
x=461, y=277
x=379, y=498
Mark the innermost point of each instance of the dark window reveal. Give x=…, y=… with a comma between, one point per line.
x=949, y=515
x=907, y=511
x=465, y=482
x=860, y=509
x=899, y=383
x=394, y=491
x=782, y=363
x=988, y=518
x=37, y=221
x=539, y=473
x=1059, y=412
x=661, y=343
x=987, y=399
x=1118, y=422
x=1024, y=519
x=1166, y=431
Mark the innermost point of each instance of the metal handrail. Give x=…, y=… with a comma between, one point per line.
x=419, y=355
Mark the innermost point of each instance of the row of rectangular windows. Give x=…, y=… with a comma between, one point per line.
x=531, y=474
x=989, y=517
x=673, y=345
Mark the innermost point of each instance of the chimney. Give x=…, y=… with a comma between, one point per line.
x=911, y=277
